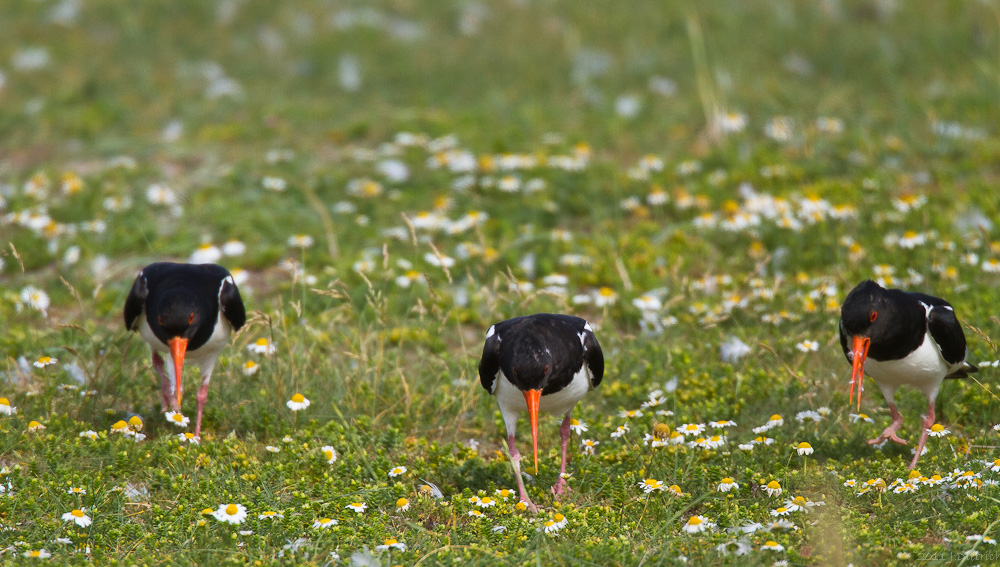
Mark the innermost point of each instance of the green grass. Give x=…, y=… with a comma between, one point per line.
x=391, y=371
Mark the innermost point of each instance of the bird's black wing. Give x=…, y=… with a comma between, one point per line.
x=489, y=365
x=593, y=357
x=947, y=333
x=231, y=303
x=928, y=299
x=135, y=302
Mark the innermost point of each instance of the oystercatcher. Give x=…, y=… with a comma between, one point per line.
x=185, y=310
x=907, y=338
x=540, y=362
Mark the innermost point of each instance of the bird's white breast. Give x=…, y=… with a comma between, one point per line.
x=205, y=355
x=923, y=369
x=512, y=403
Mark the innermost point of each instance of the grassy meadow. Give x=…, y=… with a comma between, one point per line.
x=704, y=182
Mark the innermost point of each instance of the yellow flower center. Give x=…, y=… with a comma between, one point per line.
x=325, y=521
x=328, y=454
x=521, y=506
x=937, y=428
x=775, y=417
x=804, y=445
x=77, y=513
x=773, y=485
x=694, y=521
x=250, y=364
x=771, y=544
x=402, y=502
x=486, y=500
x=651, y=482
x=800, y=501
x=390, y=541
x=606, y=291
x=262, y=341
x=232, y=509
x=559, y=517
x=178, y=417
x=298, y=398
x=4, y=402
x=33, y=423
x=45, y=359
x=781, y=510
x=571, y=422
x=727, y=480
x=207, y=511
x=505, y=493
x=357, y=504
x=910, y=234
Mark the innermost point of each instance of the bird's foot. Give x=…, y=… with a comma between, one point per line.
x=560, y=488
x=891, y=436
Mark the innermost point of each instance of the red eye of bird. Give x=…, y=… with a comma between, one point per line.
x=191, y=318
x=873, y=316
x=159, y=319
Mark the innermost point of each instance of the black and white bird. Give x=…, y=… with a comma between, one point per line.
x=188, y=311
x=908, y=339
x=540, y=362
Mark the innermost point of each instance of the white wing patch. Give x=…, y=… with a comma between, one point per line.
x=927, y=308
x=587, y=327
x=492, y=331
x=225, y=280
x=582, y=338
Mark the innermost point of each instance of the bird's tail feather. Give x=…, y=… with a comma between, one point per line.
x=963, y=372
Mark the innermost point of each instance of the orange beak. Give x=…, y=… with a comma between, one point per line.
x=532, y=398
x=178, y=347
x=860, y=353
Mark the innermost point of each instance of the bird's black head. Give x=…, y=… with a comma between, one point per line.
x=867, y=311
x=175, y=315
x=531, y=363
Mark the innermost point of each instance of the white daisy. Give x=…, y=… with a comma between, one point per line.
x=697, y=524
x=231, y=513
x=78, y=517
x=298, y=402
x=175, y=418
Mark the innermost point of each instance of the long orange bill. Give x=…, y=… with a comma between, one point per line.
x=532, y=398
x=860, y=353
x=178, y=347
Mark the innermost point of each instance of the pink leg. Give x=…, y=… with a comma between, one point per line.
x=927, y=422
x=201, y=397
x=560, y=485
x=164, y=382
x=515, y=459
x=890, y=432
